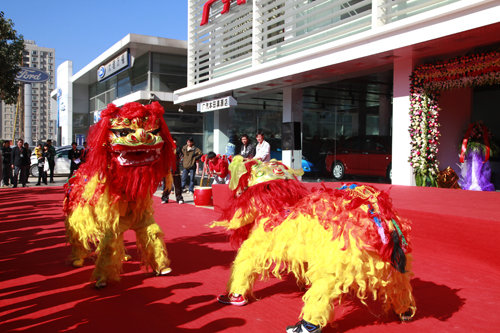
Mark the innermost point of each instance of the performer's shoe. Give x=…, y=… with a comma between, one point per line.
x=232, y=299
x=164, y=271
x=78, y=262
x=406, y=316
x=127, y=257
x=303, y=327
x=101, y=283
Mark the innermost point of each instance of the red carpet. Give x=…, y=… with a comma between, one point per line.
x=456, y=265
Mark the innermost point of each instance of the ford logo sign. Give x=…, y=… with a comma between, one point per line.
x=101, y=72
x=31, y=75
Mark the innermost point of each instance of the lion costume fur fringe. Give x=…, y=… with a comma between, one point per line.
x=131, y=150
x=336, y=241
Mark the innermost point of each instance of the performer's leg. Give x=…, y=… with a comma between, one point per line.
x=109, y=259
x=401, y=297
x=178, y=188
x=78, y=253
x=246, y=266
x=318, y=300
x=152, y=247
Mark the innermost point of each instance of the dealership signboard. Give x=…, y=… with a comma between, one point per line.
x=216, y=104
x=114, y=66
x=31, y=75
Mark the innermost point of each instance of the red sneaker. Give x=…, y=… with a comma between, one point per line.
x=232, y=299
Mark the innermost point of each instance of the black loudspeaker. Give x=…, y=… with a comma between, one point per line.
x=290, y=136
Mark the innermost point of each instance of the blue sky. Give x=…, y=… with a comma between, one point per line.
x=81, y=30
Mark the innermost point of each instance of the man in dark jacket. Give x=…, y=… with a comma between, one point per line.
x=176, y=175
x=6, y=163
x=51, y=158
x=74, y=156
x=20, y=163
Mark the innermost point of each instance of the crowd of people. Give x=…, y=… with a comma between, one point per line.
x=16, y=163
x=216, y=166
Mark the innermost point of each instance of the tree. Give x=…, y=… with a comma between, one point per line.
x=11, y=55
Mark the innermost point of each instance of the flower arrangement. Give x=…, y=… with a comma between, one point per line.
x=426, y=82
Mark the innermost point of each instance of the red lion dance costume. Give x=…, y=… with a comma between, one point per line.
x=131, y=150
x=336, y=241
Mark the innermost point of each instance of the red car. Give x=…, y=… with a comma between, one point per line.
x=368, y=156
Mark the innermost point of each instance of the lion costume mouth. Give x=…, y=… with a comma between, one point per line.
x=136, y=155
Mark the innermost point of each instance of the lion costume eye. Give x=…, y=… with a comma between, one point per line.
x=154, y=132
x=121, y=132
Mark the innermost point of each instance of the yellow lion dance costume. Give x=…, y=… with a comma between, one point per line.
x=131, y=150
x=335, y=241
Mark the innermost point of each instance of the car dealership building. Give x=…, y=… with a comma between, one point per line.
x=137, y=68
x=313, y=74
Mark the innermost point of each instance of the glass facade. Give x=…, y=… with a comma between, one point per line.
x=152, y=72
x=168, y=73
x=347, y=128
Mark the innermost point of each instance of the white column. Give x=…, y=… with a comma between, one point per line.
x=28, y=97
x=221, y=137
x=402, y=172
x=292, y=112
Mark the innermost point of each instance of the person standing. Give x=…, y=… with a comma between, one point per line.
x=247, y=149
x=84, y=152
x=74, y=156
x=263, y=148
x=41, y=157
x=190, y=162
x=51, y=159
x=27, y=164
x=176, y=175
x=20, y=163
x=219, y=168
x=6, y=163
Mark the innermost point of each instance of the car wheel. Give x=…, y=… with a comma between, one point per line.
x=34, y=170
x=338, y=170
x=388, y=173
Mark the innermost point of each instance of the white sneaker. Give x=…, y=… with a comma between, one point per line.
x=303, y=327
x=181, y=202
x=164, y=271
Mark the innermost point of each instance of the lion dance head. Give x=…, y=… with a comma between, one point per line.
x=130, y=150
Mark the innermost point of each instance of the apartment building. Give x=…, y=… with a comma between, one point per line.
x=44, y=123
